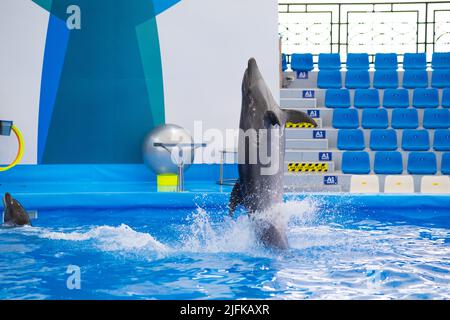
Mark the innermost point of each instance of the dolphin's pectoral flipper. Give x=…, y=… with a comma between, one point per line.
x=235, y=199
x=297, y=116
x=271, y=118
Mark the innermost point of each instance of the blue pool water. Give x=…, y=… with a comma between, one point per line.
x=336, y=252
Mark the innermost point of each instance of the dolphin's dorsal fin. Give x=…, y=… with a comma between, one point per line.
x=235, y=198
x=297, y=116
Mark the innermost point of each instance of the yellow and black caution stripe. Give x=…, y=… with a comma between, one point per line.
x=299, y=125
x=308, y=167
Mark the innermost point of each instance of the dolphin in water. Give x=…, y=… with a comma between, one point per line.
x=260, y=185
x=14, y=215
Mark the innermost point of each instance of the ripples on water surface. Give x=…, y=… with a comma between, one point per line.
x=154, y=254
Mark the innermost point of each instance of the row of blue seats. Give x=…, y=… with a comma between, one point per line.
x=391, y=162
x=360, y=61
x=392, y=98
x=383, y=79
x=386, y=140
x=401, y=119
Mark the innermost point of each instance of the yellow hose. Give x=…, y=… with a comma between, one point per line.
x=19, y=152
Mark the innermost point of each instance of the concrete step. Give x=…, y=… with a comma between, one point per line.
x=296, y=103
x=326, y=115
x=310, y=81
x=319, y=94
x=314, y=134
x=336, y=156
x=331, y=136
x=307, y=182
x=307, y=144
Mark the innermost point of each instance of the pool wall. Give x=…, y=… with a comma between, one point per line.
x=43, y=187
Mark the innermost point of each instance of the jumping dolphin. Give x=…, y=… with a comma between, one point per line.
x=15, y=215
x=259, y=187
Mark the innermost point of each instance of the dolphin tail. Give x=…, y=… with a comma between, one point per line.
x=296, y=116
x=235, y=199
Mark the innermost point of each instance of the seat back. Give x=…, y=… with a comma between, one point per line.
x=426, y=98
x=355, y=162
x=302, y=62
x=415, y=140
x=337, y=98
x=388, y=162
x=383, y=140
x=327, y=79
x=399, y=184
x=357, y=61
x=442, y=140
x=413, y=79
x=375, y=119
x=345, y=119
x=422, y=163
x=405, y=119
x=396, y=98
x=441, y=60
x=386, y=61
x=329, y=61
x=350, y=139
x=414, y=61
x=435, y=185
x=364, y=184
x=384, y=79
x=367, y=98
x=436, y=119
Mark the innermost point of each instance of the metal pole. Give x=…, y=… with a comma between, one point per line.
x=180, y=185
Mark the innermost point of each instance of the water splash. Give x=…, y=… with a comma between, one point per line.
x=107, y=238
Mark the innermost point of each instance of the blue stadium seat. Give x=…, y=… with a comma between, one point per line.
x=355, y=163
x=405, y=119
x=357, y=61
x=329, y=61
x=414, y=61
x=337, y=98
x=445, y=164
x=350, y=139
x=436, y=119
x=283, y=62
x=345, y=119
x=422, y=163
x=388, y=162
x=386, y=61
x=396, y=98
x=441, y=60
x=357, y=79
x=367, y=98
x=441, y=140
x=375, y=119
x=426, y=98
x=445, y=98
x=413, y=79
x=384, y=79
x=440, y=79
x=383, y=140
x=327, y=79
x=416, y=140
x=302, y=62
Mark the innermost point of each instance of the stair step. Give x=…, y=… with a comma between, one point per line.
x=307, y=144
